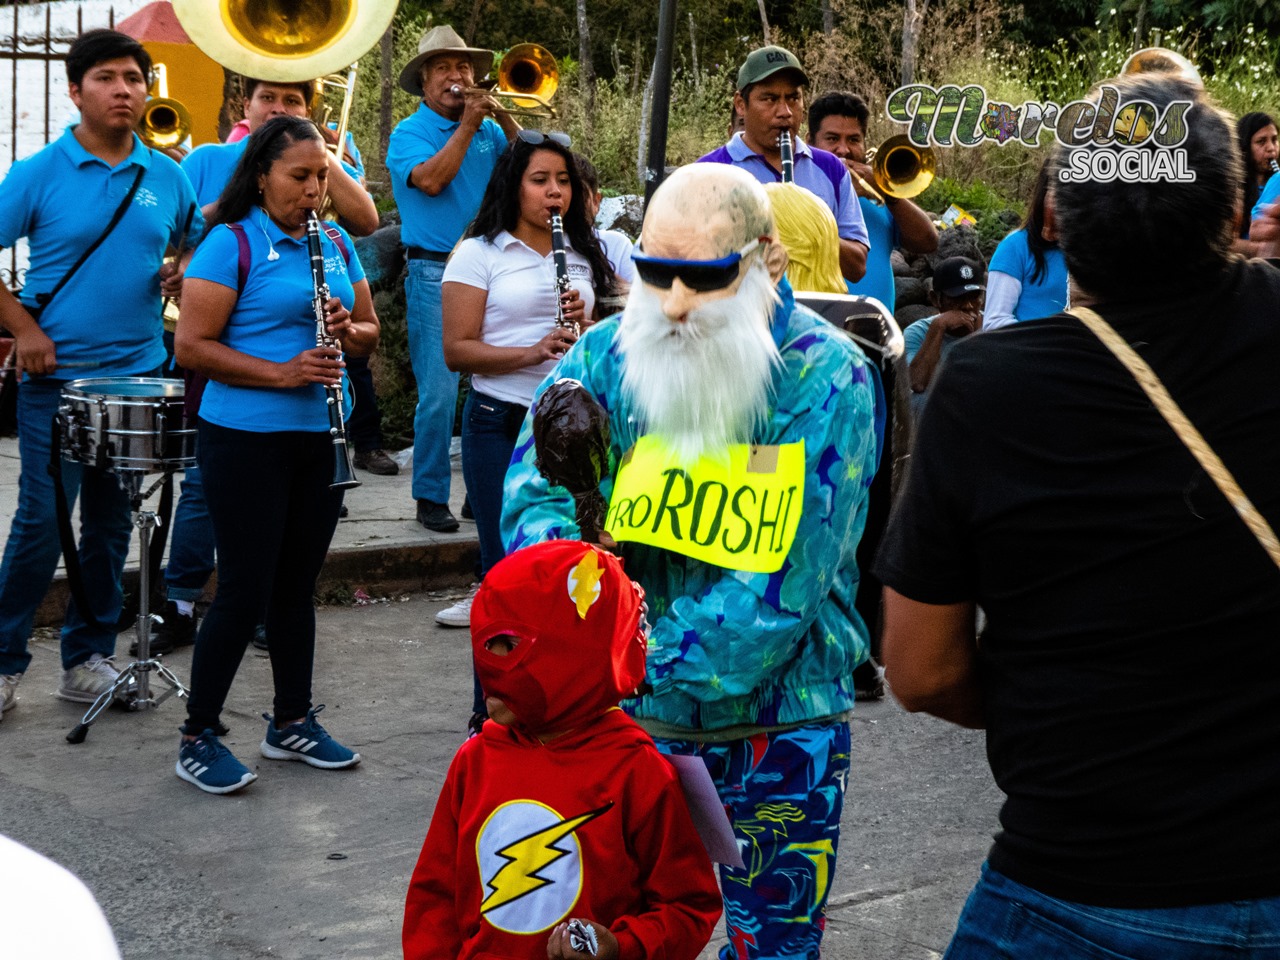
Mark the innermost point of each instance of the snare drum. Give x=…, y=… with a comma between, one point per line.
x=126, y=424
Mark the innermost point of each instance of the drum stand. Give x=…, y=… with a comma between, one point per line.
x=132, y=688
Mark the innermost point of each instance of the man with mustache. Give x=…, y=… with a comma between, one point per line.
x=749, y=665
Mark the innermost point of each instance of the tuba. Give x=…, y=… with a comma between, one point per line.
x=285, y=40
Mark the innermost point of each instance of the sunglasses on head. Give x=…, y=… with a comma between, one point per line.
x=535, y=137
x=701, y=276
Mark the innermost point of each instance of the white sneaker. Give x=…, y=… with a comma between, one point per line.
x=8, y=691
x=459, y=615
x=85, y=682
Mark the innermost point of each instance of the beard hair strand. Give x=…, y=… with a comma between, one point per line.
x=704, y=384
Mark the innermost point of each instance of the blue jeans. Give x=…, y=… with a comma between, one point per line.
x=32, y=551
x=1004, y=919
x=437, y=384
x=784, y=792
x=191, y=555
x=489, y=430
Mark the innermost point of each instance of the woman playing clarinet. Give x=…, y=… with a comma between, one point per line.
x=249, y=324
x=505, y=320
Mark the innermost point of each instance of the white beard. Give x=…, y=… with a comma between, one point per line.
x=706, y=383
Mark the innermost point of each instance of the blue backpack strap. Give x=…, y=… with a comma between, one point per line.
x=243, y=260
x=335, y=235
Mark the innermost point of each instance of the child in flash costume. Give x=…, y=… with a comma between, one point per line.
x=561, y=808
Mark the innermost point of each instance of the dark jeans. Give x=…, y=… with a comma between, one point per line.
x=489, y=430
x=364, y=428
x=1007, y=920
x=273, y=517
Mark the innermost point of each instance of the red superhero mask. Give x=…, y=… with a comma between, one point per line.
x=576, y=615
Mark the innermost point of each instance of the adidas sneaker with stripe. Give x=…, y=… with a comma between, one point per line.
x=307, y=741
x=209, y=765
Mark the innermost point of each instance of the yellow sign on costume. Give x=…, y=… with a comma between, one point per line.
x=739, y=511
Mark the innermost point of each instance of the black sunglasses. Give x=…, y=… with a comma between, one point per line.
x=535, y=137
x=701, y=276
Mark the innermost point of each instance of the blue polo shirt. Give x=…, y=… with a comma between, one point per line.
x=272, y=319
x=437, y=223
x=1047, y=297
x=61, y=199
x=209, y=167
x=815, y=170
x=883, y=229
x=1270, y=193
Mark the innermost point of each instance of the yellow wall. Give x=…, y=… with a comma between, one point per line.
x=196, y=81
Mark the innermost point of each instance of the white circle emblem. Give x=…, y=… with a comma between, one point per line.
x=530, y=867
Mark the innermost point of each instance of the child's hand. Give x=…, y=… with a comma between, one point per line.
x=558, y=943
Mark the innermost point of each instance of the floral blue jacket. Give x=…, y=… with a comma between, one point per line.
x=731, y=648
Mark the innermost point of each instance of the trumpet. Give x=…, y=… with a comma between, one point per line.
x=527, y=80
x=344, y=474
x=165, y=123
x=899, y=168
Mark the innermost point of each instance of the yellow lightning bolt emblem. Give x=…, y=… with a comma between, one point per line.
x=584, y=583
x=528, y=855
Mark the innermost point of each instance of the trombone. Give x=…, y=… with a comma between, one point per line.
x=165, y=123
x=899, y=168
x=527, y=80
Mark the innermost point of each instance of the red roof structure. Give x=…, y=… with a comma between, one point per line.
x=154, y=23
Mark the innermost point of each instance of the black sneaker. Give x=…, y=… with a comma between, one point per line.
x=376, y=461
x=465, y=513
x=436, y=516
x=260, y=638
x=172, y=631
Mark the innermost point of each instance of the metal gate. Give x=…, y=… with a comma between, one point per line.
x=34, y=59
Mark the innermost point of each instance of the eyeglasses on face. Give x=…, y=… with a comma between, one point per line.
x=535, y=137
x=701, y=276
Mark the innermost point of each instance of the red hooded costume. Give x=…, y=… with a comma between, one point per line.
x=591, y=824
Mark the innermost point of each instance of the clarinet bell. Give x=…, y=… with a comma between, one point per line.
x=344, y=474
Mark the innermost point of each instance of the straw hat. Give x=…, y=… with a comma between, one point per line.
x=443, y=39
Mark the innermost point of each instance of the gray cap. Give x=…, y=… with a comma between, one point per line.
x=765, y=62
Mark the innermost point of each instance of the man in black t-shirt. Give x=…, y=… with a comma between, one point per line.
x=1142, y=789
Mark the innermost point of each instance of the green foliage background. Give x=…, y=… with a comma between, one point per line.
x=1034, y=50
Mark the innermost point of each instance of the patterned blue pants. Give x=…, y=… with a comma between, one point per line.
x=783, y=793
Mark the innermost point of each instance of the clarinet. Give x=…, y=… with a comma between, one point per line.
x=562, y=272
x=788, y=157
x=344, y=475
x=1275, y=165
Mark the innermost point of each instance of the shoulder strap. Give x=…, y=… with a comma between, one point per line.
x=243, y=259
x=43, y=298
x=335, y=235
x=1184, y=428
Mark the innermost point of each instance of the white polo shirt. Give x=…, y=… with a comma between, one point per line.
x=521, y=305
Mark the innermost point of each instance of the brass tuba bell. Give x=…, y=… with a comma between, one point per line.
x=285, y=41
x=1161, y=60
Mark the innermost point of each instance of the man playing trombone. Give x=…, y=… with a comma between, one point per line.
x=440, y=159
x=838, y=123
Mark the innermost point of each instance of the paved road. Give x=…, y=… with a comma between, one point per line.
x=314, y=864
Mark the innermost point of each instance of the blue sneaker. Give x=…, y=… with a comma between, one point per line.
x=307, y=741
x=205, y=762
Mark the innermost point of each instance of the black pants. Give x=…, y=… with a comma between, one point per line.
x=273, y=517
